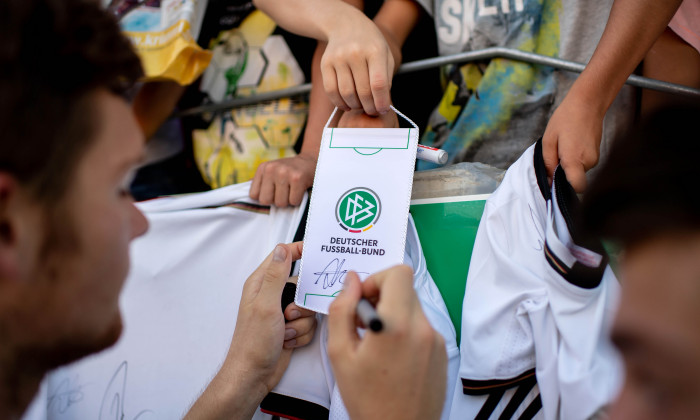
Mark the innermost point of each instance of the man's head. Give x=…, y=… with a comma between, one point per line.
x=647, y=199
x=69, y=142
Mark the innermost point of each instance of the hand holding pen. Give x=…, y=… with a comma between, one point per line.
x=398, y=372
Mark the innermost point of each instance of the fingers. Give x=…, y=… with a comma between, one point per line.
x=342, y=329
x=284, y=181
x=281, y=193
x=266, y=196
x=276, y=273
x=346, y=87
x=257, y=182
x=299, y=332
x=395, y=285
x=360, y=75
x=330, y=85
x=358, y=81
x=575, y=174
x=380, y=82
x=296, y=192
x=295, y=248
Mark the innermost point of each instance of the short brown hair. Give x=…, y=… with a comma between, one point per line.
x=53, y=53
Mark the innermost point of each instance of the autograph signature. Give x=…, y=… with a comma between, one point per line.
x=113, y=400
x=333, y=273
x=65, y=395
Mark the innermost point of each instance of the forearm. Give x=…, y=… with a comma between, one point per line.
x=320, y=107
x=396, y=19
x=228, y=396
x=318, y=19
x=632, y=28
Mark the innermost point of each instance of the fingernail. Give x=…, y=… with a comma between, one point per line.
x=293, y=314
x=289, y=333
x=280, y=254
x=290, y=344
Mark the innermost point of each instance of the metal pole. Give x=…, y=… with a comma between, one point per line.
x=465, y=57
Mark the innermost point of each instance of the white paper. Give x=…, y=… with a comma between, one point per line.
x=358, y=211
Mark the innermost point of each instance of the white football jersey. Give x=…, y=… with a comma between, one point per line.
x=539, y=301
x=180, y=305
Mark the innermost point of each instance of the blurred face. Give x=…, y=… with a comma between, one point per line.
x=658, y=330
x=70, y=308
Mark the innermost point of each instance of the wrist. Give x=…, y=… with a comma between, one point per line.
x=332, y=27
x=393, y=44
x=591, y=95
x=242, y=385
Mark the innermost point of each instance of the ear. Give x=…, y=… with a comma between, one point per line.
x=9, y=212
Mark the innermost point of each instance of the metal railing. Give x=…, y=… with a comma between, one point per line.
x=465, y=57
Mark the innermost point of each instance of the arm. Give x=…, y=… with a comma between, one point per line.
x=358, y=63
x=398, y=373
x=282, y=182
x=261, y=345
x=574, y=132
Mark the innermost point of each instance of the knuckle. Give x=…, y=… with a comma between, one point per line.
x=295, y=200
x=405, y=272
x=364, y=93
x=265, y=311
x=374, y=50
x=269, y=169
x=400, y=331
x=347, y=92
x=379, y=83
x=426, y=333
x=335, y=308
x=295, y=177
x=304, y=340
x=355, y=52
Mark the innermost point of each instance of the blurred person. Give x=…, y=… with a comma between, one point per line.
x=645, y=200
x=66, y=217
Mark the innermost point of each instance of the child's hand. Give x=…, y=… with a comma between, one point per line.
x=358, y=67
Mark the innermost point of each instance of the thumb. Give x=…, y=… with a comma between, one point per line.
x=276, y=273
x=342, y=330
x=575, y=174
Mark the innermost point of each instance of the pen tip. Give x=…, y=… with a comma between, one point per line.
x=376, y=325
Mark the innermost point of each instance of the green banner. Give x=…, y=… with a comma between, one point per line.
x=447, y=231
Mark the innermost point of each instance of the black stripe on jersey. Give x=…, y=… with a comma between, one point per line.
x=299, y=235
x=518, y=398
x=570, y=207
x=541, y=171
x=490, y=405
x=532, y=409
x=579, y=274
x=478, y=387
x=293, y=408
x=244, y=205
